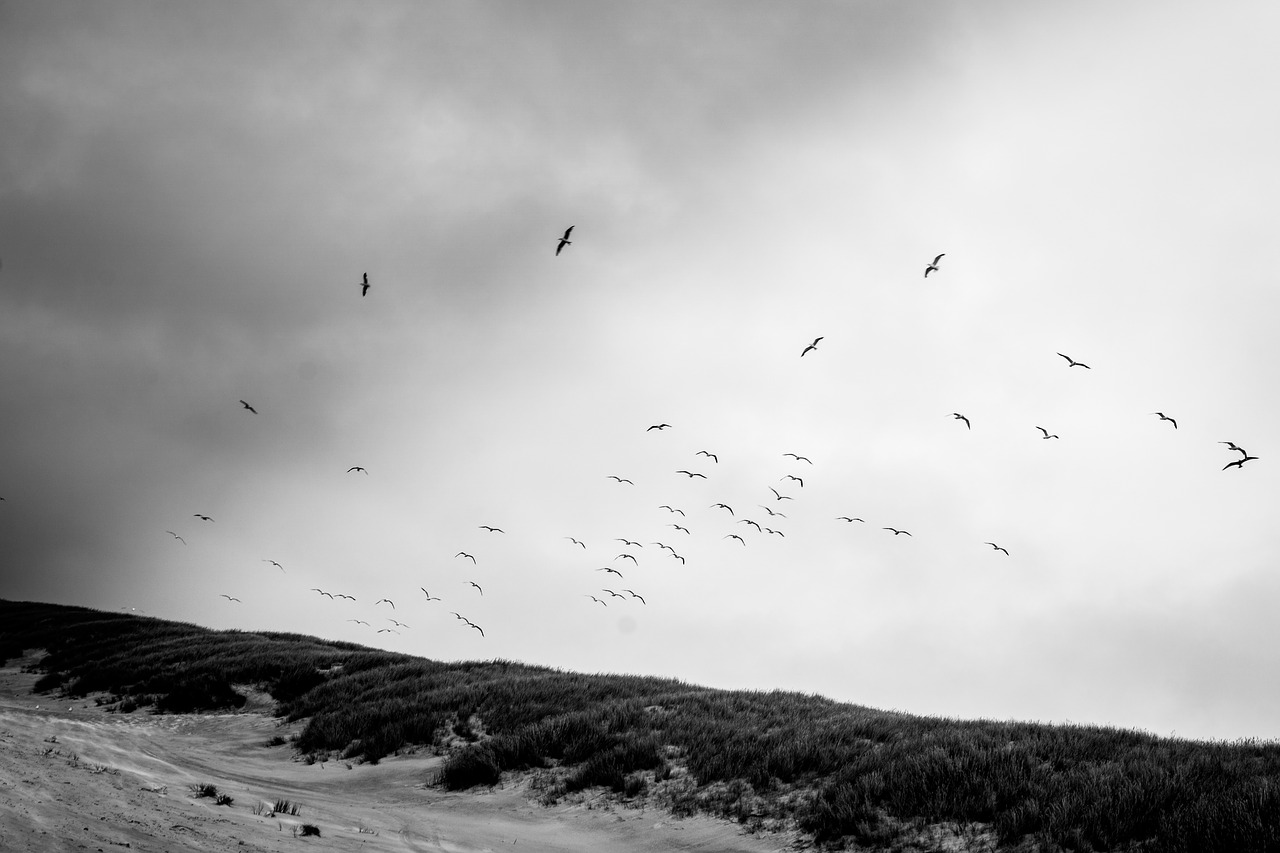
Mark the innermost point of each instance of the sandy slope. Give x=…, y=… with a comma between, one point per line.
x=113, y=781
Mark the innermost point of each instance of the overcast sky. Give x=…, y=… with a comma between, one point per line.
x=190, y=194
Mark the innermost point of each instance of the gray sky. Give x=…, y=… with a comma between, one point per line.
x=190, y=193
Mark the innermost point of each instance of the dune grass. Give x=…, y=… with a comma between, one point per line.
x=842, y=773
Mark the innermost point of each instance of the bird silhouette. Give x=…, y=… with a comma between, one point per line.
x=812, y=346
x=961, y=417
x=492, y=529
x=678, y=527
x=711, y=456
x=388, y=631
x=247, y=406
x=749, y=521
x=348, y=597
x=896, y=531
x=626, y=557
x=358, y=621
x=1239, y=463
x=779, y=532
x=614, y=594
x=734, y=536
x=634, y=595
x=229, y=598
x=593, y=598
x=471, y=624
x=780, y=497
x=771, y=512
x=387, y=600
x=356, y=468
x=723, y=506
x=620, y=479
x=691, y=474
x=799, y=458
x=575, y=541
x=203, y=517
x=465, y=554
x=321, y=591
x=477, y=586
x=847, y=518
x=429, y=596
x=658, y=427
x=398, y=624
x=1071, y=362
x=274, y=563
x=364, y=285
x=1046, y=433
x=933, y=265
x=1234, y=446
x=565, y=241
x=629, y=542
x=671, y=509
x=997, y=547
x=610, y=570
x=170, y=532
x=792, y=477
x=1165, y=417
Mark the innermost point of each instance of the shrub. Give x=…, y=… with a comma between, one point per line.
x=284, y=807
x=223, y=799
x=309, y=829
x=204, y=789
x=468, y=767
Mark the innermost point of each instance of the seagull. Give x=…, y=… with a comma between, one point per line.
x=429, y=596
x=358, y=621
x=477, y=586
x=611, y=571
x=895, y=530
x=492, y=529
x=633, y=595
x=711, y=456
x=771, y=512
x=1046, y=432
x=961, y=417
x=933, y=265
x=847, y=518
x=465, y=554
x=321, y=591
x=671, y=509
x=692, y=474
x=388, y=631
x=364, y=285
x=812, y=346
x=1165, y=417
x=593, y=598
x=626, y=556
x=398, y=624
x=678, y=527
x=997, y=547
x=1239, y=463
x=658, y=427
x=1234, y=446
x=734, y=536
x=678, y=557
x=779, y=532
x=349, y=597
x=387, y=600
x=614, y=594
x=202, y=517
x=247, y=406
x=170, y=532
x=565, y=241
x=749, y=521
x=477, y=627
x=793, y=477
x=661, y=545
x=779, y=496
x=620, y=479
x=628, y=542
x=229, y=598
x=1071, y=362
x=575, y=541
x=356, y=468
x=723, y=506
x=274, y=563
x=799, y=458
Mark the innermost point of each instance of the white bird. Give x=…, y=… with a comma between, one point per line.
x=933, y=266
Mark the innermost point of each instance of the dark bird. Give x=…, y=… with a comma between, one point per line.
x=465, y=554
x=492, y=529
x=734, y=536
x=793, y=477
x=749, y=521
x=477, y=586
x=678, y=557
x=471, y=624
x=723, y=506
x=321, y=591
x=711, y=456
x=620, y=479
x=429, y=596
x=247, y=406
x=356, y=468
x=611, y=571
x=771, y=512
x=1239, y=463
x=633, y=595
x=691, y=474
x=812, y=346
x=847, y=518
x=626, y=557
x=671, y=509
x=387, y=600
x=799, y=458
x=229, y=598
x=1071, y=362
x=658, y=427
x=895, y=530
x=779, y=532
x=575, y=541
x=597, y=600
x=388, y=631
x=364, y=285
x=614, y=594
x=661, y=545
x=678, y=527
x=202, y=517
x=997, y=547
x=274, y=563
x=398, y=624
x=780, y=497
x=358, y=621
x=565, y=241
x=933, y=265
x=1046, y=432
x=961, y=417
x=349, y=597
x=1165, y=417
x=170, y=532
x=629, y=542
x=1234, y=446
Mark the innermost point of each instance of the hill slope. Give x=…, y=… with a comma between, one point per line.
x=842, y=773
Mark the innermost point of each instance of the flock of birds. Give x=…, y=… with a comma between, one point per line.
x=678, y=520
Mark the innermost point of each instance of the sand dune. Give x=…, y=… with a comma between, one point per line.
x=74, y=778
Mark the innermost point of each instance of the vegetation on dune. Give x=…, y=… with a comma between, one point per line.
x=841, y=773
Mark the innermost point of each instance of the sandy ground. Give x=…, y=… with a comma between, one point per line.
x=73, y=777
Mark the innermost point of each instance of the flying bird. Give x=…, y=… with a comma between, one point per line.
x=749, y=521
x=1071, y=362
x=658, y=427
x=230, y=598
x=614, y=594
x=593, y=598
x=358, y=621
x=387, y=600
x=678, y=527
x=321, y=591
x=398, y=624
x=1165, y=417
x=1239, y=463
x=691, y=474
x=671, y=509
x=812, y=346
x=627, y=557
x=388, y=631
x=575, y=541
x=997, y=547
x=274, y=563
x=847, y=518
x=723, y=506
x=471, y=624
x=895, y=530
x=933, y=265
x=734, y=536
x=961, y=417
x=1234, y=446
x=771, y=512
x=492, y=529
x=1046, y=432
x=429, y=596
x=799, y=458
x=633, y=595
x=611, y=571
x=793, y=477
x=356, y=468
x=565, y=241
x=477, y=586
x=780, y=497
x=711, y=456
x=629, y=542
x=247, y=406
x=620, y=479
x=465, y=554
x=170, y=532
x=203, y=517
x=779, y=532
x=348, y=597
x=364, y=285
